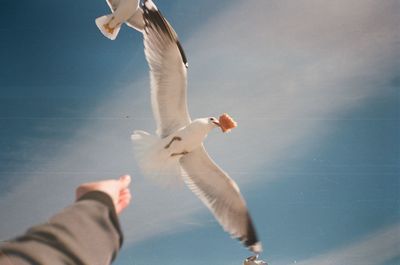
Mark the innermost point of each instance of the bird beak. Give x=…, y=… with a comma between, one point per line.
x=219, y=125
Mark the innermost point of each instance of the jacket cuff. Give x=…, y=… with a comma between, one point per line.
x=105, y=199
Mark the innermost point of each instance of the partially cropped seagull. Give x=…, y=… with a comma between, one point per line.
x=178, y=146
x=253, y=260
x=123, y=11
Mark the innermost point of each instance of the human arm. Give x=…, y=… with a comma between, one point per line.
x=87, y=232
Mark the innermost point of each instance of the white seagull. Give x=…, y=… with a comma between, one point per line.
x=253, y=260
x=179, y=141
x=123, y=11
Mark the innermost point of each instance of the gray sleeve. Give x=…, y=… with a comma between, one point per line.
x=87, y=232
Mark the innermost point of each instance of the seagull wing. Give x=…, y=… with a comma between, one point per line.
x=221, y=195
x=168, y=75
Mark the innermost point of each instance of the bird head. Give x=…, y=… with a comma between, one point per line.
x=225, y=122
x=213, y=122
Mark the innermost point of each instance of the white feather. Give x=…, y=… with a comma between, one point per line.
x=221, y=195
x=154, y=160
x=168, y=78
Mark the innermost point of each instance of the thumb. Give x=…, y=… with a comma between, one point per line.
x=124, y=182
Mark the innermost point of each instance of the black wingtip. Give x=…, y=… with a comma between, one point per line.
x=251, y=240
x=182, y=54
x=152, y=16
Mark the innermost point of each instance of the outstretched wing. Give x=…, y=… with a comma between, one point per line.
x=168, y=65
x=221, y=195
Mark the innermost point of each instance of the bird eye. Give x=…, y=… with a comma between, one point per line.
x=211, y=119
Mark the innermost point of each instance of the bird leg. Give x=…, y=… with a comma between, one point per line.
x=180, y=154
x=175, y=138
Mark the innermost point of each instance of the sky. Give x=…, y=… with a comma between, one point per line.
x=313, y=85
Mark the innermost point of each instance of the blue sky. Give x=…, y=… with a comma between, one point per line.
x=314, y=86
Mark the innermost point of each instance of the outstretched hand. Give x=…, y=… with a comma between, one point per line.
x=118, y=190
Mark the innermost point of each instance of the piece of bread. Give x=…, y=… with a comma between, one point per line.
x=226, y=122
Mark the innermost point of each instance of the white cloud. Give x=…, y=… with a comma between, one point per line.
x=279, y=67
x=375, y=249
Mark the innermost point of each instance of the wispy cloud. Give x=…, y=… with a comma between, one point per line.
x=279, y=67
x=375, y=249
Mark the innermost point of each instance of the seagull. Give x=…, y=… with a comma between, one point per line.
x=253, y=260
x=178, y=145
x=123, y=11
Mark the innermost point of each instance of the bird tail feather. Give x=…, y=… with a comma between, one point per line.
x=110, y=31
x=154, y=161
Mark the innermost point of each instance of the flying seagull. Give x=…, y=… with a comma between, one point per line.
x=178, y=145
x=123, y=11
x=253, y=260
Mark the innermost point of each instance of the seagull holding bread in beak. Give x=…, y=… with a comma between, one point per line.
x=178, y=146
x=123, y=11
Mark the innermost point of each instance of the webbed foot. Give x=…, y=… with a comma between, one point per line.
x=108, y=28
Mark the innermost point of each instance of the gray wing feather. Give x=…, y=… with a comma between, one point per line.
x=221, y=195
x=168, y=75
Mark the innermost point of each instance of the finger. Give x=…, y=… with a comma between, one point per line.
x=124, y=181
